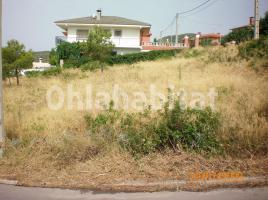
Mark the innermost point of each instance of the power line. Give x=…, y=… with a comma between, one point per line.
x=201, y=22
x=188, y=11
x=184, y=12
x=172, y=22
x=213, y=2
x=200, y=5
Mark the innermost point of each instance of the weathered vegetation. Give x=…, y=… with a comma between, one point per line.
x=15, y=58
x=151, y=145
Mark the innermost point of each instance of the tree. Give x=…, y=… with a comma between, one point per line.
x=247, y=33
x=264, y=25
x=240, y=35
x=53, y=57
x=15, y=58
x=99, y=46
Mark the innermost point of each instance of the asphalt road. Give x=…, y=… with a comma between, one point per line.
x=9, y=192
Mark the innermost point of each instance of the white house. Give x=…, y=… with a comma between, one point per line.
x=128, y=35
x=41, y=65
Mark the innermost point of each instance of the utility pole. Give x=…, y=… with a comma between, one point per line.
x=2, y=135
x=177, y=28
x=257, y=20
x=161, y=35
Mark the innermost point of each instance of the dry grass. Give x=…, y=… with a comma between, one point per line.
x=51, y=145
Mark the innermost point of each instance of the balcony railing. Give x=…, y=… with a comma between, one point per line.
x=133, y=42
x=158, y=44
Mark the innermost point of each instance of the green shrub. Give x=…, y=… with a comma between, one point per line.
x=142, y=133
x=91, y=66
x=53, y=57
x=192, y=53
x=76, y=62
x=239, y=35
x=254, y=48
x=143, y=56
x=192, y=129
x=31, y=74
x=206, y=42
x=52, y=71
x=49, y=72
x=222, y=54
x=66, y=50
x=138, y=133
x=102, y=127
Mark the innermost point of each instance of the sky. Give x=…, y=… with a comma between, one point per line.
x=32, y=21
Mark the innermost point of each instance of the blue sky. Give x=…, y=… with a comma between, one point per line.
x=32, y=21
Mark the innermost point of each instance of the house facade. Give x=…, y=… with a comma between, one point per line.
x=212, y=38
x=127, y=35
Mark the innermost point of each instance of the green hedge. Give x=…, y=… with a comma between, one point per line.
x=143, y=56
x=76, y=62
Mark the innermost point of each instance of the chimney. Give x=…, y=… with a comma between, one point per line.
x=98, y=14
x=251, y=21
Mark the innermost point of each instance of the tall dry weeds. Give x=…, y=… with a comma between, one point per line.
x=242, y=102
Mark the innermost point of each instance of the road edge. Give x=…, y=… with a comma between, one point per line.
x=156, y=186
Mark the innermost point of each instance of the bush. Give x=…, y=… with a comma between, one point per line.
x=66, y=50
x=49, y=72
x=142, y=133
x=31, y=74
x=91, y=66
x=192, y=53
x=240, y=35
x=53, y=57
x=254, y=48
x=143, y=56
x=191, y=128
x=222, y=54
x=52, y=71
x=76, y=62
x=206, y=42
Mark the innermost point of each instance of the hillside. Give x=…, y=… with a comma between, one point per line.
x=172, y=38
x=41, y=54
x=83, y=141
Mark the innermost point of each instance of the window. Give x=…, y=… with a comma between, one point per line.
x=82, y=33
x=118, y=33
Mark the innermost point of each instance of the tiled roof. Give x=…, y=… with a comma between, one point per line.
x=210, y=35
x=103, y=20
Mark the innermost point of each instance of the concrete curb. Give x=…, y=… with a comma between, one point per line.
x=156, y=186
x=185, y=185
x=8, y=182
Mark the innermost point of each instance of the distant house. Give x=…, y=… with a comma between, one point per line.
x=212, y=38
x=128, y=35
x=249, y=25
x=41, y=65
